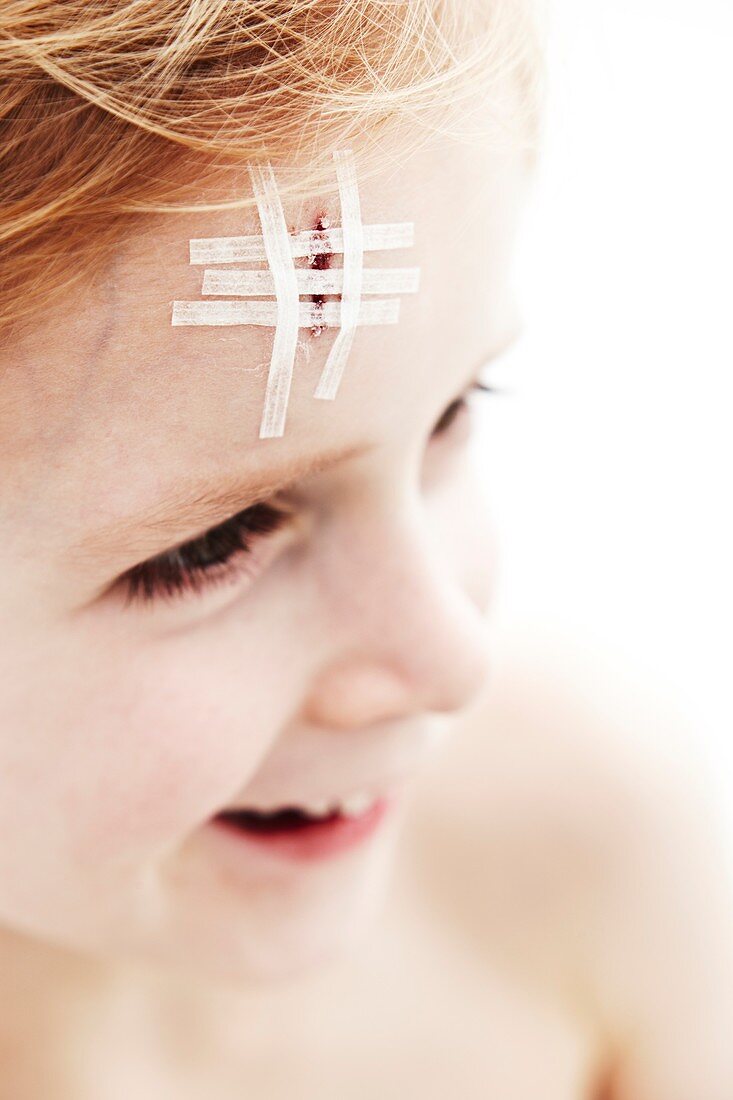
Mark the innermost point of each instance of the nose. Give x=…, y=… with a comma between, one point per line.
x=406, y=636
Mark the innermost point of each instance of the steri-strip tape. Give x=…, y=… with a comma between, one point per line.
x=354, y=286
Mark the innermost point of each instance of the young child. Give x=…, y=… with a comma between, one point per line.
x=255, y=264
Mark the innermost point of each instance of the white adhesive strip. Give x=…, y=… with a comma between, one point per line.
x=344, y=287
x=375, y=311
x=311, y=242
x=280, y=260
x=375, y=280
x=353, y=232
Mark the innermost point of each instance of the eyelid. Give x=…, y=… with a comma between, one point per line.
x=186, y=579
x=244, y=550
x=459, y=406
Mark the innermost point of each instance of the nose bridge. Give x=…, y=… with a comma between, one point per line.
x=401, y=607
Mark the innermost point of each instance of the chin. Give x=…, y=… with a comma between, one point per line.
x=287, y=924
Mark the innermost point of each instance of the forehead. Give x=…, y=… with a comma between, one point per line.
x=111, y=371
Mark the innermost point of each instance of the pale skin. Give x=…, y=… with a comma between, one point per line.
x=138, y=952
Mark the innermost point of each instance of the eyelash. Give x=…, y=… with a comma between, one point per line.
x=200, y=562
x=456, y=407
x=195, y=565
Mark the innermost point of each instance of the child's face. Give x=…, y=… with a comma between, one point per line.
x=315, y=665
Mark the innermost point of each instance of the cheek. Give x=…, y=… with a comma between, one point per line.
x=464, y=532
x=481, y=555
x=182, y=736
x=125, y=750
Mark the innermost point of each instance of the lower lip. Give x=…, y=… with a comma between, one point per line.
x=316, y=841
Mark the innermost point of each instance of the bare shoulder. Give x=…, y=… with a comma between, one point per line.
x=579, y=830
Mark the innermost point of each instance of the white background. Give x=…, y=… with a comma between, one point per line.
x=611, y=462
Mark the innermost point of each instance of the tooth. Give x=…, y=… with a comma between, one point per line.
x=319, y=808
x=356, y=804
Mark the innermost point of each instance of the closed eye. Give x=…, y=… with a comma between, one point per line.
x=226, y=548
x=457, y=407
x=199, y=561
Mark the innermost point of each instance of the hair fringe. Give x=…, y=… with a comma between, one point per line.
x=108, y=109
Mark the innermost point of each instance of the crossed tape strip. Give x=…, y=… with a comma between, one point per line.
x=287, y=282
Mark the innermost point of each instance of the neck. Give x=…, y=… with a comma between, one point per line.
x=66, y=1014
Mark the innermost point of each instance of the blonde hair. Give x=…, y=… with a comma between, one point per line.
x=108, y=110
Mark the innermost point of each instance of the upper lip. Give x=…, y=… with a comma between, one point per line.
x=319, y=802
x=293, y=779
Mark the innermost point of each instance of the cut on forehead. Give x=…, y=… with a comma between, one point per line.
x=113, y=109
x=111, y=330
x=118, y=412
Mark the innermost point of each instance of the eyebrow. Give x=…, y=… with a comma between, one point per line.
x=191, y=508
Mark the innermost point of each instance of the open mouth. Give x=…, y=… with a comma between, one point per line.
x=308, y=831
x=278, y=821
